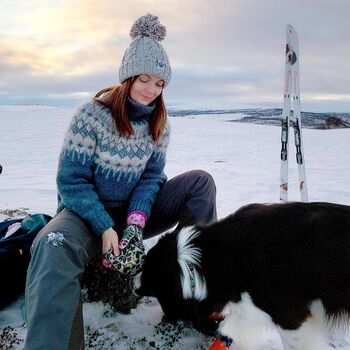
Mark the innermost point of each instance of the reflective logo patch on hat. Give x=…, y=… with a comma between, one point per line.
x=160, y=64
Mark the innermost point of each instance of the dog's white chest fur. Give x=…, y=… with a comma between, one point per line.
x=253, y=329
x=249, y=327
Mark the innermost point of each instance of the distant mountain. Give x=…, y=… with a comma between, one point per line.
x=273, y=116
x=265, y=116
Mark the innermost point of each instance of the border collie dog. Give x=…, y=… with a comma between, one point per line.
x=265, y=267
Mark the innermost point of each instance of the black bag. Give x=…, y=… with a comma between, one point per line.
x=15, y=255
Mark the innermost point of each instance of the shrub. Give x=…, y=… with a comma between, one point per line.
x=110, y=287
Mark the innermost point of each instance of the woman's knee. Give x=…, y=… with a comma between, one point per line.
x=50, y=248
x=66, y=234
x=49, y=238
x=58, y=247
x=203, y=178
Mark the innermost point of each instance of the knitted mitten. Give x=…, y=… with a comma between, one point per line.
x=132, y=252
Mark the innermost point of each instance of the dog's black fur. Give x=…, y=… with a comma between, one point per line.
x=284, y=255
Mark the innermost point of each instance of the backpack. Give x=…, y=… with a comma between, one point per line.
x=15, y=255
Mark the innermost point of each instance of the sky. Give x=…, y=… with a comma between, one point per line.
x=223, y=53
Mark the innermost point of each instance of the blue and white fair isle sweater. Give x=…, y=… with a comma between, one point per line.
x=99, y=169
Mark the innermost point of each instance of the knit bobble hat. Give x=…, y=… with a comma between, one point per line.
x=145, y=55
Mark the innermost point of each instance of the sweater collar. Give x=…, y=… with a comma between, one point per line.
x=137, y=111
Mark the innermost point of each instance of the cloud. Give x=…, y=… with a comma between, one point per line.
x=229, y=50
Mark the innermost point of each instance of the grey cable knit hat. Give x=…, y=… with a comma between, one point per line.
x=145, y=55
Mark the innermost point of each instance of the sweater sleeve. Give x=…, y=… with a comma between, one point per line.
x=145, y=192
x=74, y=175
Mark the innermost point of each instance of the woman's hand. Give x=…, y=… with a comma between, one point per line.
x=109, y=241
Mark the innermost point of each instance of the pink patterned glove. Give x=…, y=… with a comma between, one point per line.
x=132, y=252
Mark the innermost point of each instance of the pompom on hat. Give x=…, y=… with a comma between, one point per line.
x=145, y=55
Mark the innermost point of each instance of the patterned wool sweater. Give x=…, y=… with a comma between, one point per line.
x=99, y=169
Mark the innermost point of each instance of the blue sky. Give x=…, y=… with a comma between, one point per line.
x=224, y=53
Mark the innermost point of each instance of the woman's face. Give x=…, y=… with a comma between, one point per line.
x=146, y=88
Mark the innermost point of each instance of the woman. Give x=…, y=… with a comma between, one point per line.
x=110, y=182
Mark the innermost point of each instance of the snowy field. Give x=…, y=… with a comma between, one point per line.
x=244, y=160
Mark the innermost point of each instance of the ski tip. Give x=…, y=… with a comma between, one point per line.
x=290, y=29
x=291, y=33
x=292, y=37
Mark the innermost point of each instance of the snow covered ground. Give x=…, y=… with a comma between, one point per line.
x=244, y=160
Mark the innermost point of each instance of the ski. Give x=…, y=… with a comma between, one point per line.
x=291, y=116
x=285, y=127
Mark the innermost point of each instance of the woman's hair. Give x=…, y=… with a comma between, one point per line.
x=115, y=98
